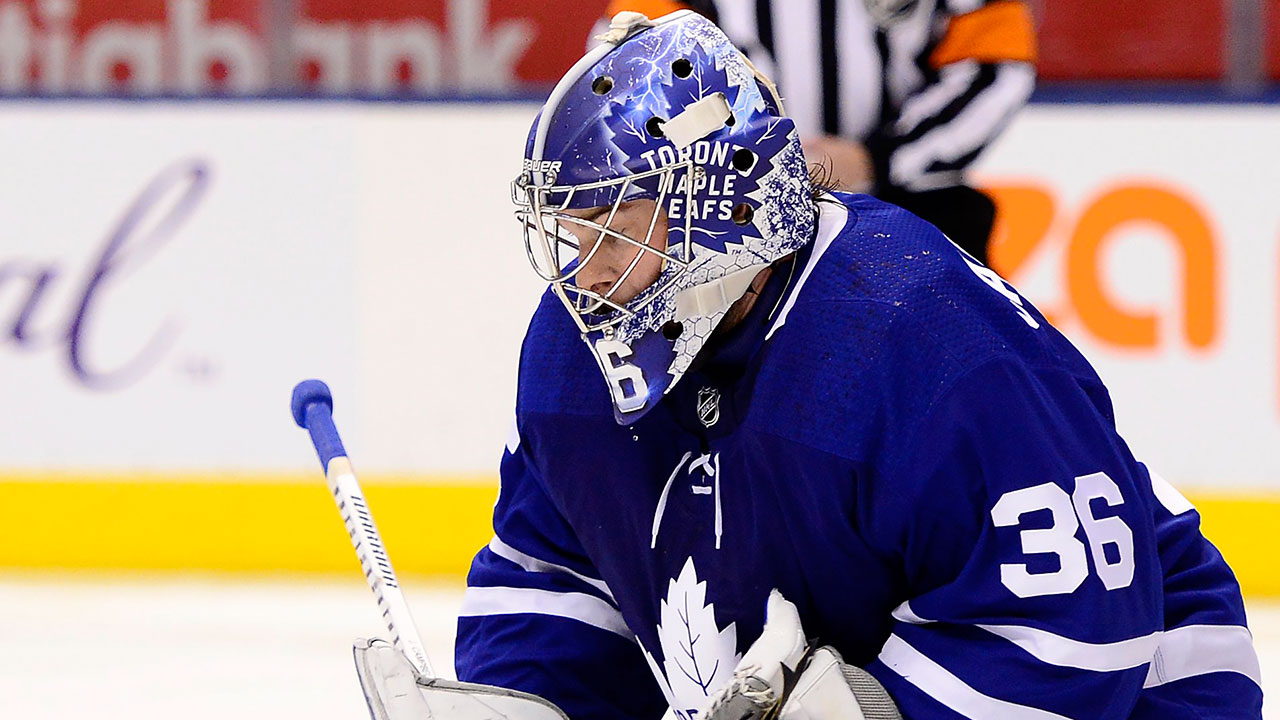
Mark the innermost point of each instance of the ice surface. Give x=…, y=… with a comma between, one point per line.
x=196, y=648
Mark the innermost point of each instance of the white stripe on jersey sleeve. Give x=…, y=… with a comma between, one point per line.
x=1172, y=500
x=513, y=436
x=975, y=126
x=905, y=614
x=489, y=601
x=938, y=683
x=1194, y=650
x=1175, y=654
x=1062, y=651
x=533, y=564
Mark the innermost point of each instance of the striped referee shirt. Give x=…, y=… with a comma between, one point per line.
x=924, y=84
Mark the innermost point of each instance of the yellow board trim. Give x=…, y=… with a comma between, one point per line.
x=431, y=525
x=237, y=523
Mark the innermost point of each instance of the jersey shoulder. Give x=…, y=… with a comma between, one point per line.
x=885, y=316
x=888, y=257
x=888, y=263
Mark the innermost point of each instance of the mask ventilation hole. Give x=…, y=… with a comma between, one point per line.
x=602, y=85
x=742, y=214
x=682, y=68
x=672, y=329
x=730, y=121
x=743, y=160
x=654, y=126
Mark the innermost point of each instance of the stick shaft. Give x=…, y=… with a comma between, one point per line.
x=312, y=407
x=376, y=563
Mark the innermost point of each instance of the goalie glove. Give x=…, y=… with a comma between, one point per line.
x=394, y=691
x=781, y=677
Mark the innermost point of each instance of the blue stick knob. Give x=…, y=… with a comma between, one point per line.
x=312, y=407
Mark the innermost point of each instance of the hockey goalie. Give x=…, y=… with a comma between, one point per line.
x=781, y=452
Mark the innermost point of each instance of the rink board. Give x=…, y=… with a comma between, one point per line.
x=174, y=267
x=432, y=526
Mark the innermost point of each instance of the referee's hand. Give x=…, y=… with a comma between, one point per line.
x=850, y=163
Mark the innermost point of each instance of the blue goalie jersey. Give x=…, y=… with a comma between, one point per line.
x=910, y=453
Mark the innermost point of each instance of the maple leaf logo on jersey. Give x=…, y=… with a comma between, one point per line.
x=698, y=657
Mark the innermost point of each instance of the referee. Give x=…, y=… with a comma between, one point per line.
x=897, y=97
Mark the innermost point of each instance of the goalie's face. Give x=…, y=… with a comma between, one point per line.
x=620, y=252
x=606, y=246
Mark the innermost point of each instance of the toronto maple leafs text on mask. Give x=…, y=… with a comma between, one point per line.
x=710, y=189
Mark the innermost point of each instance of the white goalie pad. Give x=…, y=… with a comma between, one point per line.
x=394, y=691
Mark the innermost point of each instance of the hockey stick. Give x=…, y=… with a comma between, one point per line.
x=313, y=410
x=397, y=679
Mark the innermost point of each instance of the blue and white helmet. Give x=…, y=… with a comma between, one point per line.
x=666, y=110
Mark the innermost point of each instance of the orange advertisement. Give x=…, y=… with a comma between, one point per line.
x=1026, y=213
x=1149, y=235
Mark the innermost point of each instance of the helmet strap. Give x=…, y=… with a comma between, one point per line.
x=697, y=120
x=767, y=83
x=711, y=298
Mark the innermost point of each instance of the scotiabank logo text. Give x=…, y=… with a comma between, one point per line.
x=199, y=47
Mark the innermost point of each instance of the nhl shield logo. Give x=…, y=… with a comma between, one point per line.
x=708, y=406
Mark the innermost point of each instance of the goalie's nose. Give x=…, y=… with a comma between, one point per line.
x=598, y=275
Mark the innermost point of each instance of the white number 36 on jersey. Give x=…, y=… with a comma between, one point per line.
x=1069, y=513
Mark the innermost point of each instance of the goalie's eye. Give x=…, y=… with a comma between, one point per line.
x=597, y=215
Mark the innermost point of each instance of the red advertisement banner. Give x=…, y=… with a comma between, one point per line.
x=424, y=47
x=201, y=47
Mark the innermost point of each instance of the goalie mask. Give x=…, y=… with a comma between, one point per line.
x=667, y=111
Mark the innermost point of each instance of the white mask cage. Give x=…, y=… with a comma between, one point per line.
x=554, y=250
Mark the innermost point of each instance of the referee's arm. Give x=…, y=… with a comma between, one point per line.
x=985, y=63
